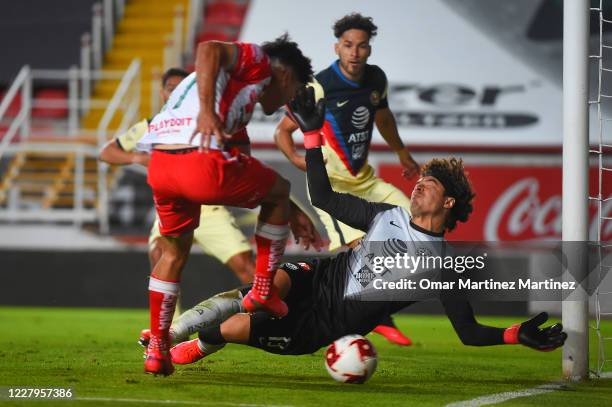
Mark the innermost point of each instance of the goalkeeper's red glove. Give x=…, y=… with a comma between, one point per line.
x=530, y=334
x=308, y=114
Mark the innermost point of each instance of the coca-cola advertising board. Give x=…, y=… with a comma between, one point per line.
x=515, y=203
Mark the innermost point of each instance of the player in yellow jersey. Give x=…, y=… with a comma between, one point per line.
x=218, y=234
x=355, y=99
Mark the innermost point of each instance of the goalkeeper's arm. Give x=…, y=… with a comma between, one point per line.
x=527, y=333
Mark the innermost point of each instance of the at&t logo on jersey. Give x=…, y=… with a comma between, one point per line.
x=360, y=117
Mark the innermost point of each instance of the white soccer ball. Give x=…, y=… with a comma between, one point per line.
x=351, y=359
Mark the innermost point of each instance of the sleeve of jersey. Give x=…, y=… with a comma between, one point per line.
x=355, y=212
x=471, y=333
x=384, y=88
x=128, y=140
x=252, y=64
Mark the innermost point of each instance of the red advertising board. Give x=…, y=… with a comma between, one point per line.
x=515, y=203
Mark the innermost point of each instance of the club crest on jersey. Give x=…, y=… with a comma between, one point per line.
x=375, y=98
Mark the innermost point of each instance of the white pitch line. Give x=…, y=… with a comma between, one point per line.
x=182, y=402
x=509, y=395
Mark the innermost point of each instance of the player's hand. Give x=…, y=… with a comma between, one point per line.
x=530, y=334
x=141, y=159
x=410, y=168
x=208, y=124
x=304, y=231
x=307, y=113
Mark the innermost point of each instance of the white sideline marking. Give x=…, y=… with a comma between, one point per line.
x=184, y=402
x=509, y=395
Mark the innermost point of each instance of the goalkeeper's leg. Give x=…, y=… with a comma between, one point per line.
x=210, y=312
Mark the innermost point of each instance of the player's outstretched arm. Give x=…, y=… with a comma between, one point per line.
x=386, y=125
x=283, y=136
x=349, y=209
x=527, y=333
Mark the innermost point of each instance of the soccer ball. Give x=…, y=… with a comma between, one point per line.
x=351, y=359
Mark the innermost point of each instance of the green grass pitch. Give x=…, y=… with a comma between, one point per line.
x=94, y=351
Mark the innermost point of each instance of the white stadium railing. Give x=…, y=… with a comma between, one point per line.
x=125, y=101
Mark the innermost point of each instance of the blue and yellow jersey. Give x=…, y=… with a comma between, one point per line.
x=349, y=120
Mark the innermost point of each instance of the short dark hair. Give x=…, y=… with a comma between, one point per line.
x=289, y=54
x=173, y=72
x=355, y=21
x=452, y=176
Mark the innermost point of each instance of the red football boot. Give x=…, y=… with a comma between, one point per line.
x=186, y=352
x=273, y=304
x=393, y=335
x=157, y=359
x=263, y=297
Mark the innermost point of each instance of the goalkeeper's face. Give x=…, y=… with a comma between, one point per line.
x=428, y=198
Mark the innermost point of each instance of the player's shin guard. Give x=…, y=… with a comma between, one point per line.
x=271, y=241
x=162, y=301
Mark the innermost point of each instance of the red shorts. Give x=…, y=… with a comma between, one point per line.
x=184, y=181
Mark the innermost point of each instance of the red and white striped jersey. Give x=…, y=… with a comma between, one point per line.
x=236, y=93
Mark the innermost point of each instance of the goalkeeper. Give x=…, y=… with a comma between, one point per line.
x=323, y=295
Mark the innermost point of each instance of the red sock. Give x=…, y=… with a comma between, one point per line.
x=271, y=241
x=162, y=302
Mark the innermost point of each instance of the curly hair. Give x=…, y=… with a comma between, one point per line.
x=289, y=54
x=357, y=22
x=452, y=176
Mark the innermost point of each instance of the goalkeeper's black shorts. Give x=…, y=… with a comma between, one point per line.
x=297, y=333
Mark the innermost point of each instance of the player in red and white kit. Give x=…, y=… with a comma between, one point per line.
x=190, y=167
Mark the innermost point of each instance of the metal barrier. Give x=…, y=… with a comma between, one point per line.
x=129, y=86
x=125, y=100
x=23, y=84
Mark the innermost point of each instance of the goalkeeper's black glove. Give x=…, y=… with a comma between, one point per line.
x=530, y=334
x=308, y=114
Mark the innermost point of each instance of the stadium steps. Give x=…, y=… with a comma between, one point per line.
x=63, y=193
x=35, y=175
x=46, y=180
x=140, y=34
